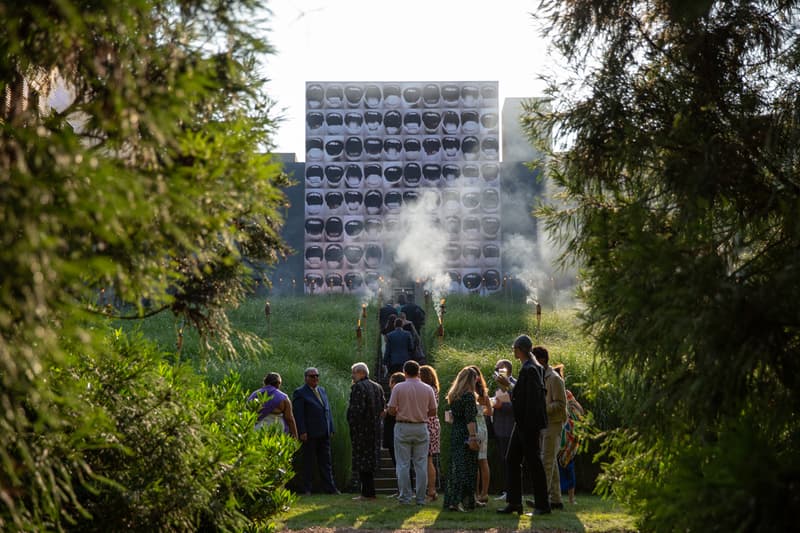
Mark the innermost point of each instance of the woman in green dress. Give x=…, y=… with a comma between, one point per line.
x=459, y=494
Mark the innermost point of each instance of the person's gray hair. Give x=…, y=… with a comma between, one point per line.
x=360, y=367
x=524, y=343
x=309, y=369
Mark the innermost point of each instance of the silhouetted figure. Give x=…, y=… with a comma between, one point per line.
x=413, y=312
x=399, y=348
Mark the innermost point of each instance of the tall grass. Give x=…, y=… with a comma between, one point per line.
x=320, y=332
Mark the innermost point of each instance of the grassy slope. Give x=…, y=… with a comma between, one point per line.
x=321, y=332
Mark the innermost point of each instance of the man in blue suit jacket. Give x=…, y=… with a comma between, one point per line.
x=399, y=348
x=312, y=413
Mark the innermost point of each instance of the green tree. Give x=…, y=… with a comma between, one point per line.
x=134, y=176
x=680, y=188
x=169, y=451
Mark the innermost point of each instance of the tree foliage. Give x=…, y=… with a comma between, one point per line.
x=680, y=187
x=134, y=176
x=166, y=451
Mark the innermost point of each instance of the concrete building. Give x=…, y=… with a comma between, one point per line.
x=520, y=187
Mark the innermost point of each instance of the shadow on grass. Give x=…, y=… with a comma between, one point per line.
x=386, y=514
x=487, y=518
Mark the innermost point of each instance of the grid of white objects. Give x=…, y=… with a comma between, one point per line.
x=374, y=149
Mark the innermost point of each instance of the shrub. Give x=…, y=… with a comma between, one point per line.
x=170, y=451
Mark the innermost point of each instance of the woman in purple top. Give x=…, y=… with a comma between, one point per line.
x=277, y=409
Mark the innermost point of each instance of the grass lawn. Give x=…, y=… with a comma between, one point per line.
x=322, y=512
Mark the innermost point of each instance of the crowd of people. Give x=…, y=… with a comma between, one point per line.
x=531, y=416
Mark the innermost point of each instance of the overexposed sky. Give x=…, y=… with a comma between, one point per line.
x=405, y=40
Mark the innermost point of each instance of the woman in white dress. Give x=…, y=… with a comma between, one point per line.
x=484, y=410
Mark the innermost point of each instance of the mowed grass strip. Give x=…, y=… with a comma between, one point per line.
x=589, y=514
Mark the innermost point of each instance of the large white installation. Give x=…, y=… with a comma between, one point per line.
x=377, y=151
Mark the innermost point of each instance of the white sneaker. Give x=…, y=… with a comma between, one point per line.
x=501, y=497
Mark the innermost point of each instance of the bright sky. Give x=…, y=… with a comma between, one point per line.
x=406, y=40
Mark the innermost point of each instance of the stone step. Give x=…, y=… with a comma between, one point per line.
x=386, y=476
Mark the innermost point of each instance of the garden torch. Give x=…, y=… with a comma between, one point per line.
x=539, y=318
x=179, y=343
x=267, y=313
x=442, y=308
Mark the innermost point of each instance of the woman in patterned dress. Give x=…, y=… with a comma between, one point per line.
x=484, y=408
x=460, y=491
x=428, y=376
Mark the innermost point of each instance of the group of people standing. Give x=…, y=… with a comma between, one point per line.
x=306, y=417
x=528, y=416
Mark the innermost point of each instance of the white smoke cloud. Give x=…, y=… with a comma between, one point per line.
x=534, y=261
x=421, y=246
x=524, y=264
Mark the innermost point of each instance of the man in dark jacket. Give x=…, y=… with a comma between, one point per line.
x=312, y=413
x=364, y=418
x=528, y=401
x=399, y=348
x=385, y=312
x=413, y=312
x=416, y=354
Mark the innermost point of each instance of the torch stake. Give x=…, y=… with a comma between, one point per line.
x=267, y=315
x=179, y=342
x=359, y=339
x=539, y=321
x=442, y=310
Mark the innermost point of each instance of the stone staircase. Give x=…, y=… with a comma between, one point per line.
x=385, y=477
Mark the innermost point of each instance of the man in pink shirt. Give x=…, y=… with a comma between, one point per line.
x=411, y=403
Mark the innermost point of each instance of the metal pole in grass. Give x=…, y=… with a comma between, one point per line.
x=379, y=355
x=538, y=321
x=442, y=309
x=267, y=315
x=364, y=320
x=359, y=339
x=179, y=341
x=360, y=333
